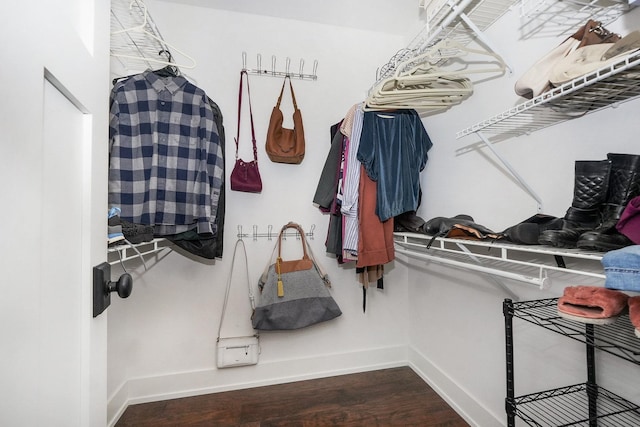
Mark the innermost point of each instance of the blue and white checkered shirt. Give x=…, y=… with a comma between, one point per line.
x=166, y=162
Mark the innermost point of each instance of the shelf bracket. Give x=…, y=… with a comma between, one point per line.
x=480, y=35
x=513, y=172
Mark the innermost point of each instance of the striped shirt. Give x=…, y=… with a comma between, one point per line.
x=349, y=206
x=165, y=163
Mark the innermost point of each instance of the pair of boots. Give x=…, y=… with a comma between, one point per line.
x=602, y=189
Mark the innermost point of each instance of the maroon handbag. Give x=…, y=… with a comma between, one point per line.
x=245, y=176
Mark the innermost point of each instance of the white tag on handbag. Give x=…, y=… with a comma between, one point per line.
x=238, y=351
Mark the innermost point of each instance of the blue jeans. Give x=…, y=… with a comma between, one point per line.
x=622, y=268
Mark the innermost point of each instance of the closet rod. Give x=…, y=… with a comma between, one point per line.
x=541, y=282
x=439, y=246
x=270, y=234
x=259, y=71
x=502, y=258
x=130, y=251
x=495, y=280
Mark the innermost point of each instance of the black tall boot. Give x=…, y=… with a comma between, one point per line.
x=589, y=193
x=624, y=185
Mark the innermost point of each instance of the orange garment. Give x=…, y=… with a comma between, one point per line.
x=375, y=245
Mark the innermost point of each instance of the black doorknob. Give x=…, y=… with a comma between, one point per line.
x=103, y=286
x=123, y=286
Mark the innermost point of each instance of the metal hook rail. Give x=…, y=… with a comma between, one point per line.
x=259, y=71
x=270, y=234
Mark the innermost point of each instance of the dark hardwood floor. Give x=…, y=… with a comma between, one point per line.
x=389, y=397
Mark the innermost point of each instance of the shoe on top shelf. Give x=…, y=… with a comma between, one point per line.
x=137, y=233
x=121, y=230
x=114, y=227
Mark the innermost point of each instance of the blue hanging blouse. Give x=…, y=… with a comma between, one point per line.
x=393, y=150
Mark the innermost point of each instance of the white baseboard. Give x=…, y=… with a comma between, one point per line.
x=464, y=404
x=184, y=384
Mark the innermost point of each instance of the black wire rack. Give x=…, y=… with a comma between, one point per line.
x=617, y=338
x=585, y=404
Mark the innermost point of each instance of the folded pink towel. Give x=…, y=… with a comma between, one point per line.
x=634, y=313
x=592, y=304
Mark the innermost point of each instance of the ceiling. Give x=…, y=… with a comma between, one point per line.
x=388, y=16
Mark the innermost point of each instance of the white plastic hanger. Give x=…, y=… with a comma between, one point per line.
x=142, y=29
x=421, y=83
x=444, y=52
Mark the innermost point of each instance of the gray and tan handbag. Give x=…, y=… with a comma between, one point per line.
x=294, y=293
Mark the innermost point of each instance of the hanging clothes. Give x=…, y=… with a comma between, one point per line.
x=166, y=160
x=393, y=150
x=346, y=188
x=351, y=128
x=375, y=243
x=206, y=246
x=326, y=193
x=220, y=212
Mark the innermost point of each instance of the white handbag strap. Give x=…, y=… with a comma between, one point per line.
x=240, y=242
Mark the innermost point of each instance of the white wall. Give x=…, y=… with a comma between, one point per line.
x=62, y=45
x=162, y=338
x=456, y=317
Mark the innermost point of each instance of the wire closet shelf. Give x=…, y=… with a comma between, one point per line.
x=458, y=20
x=607, y=86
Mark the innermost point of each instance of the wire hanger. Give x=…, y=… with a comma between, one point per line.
x=169, y=70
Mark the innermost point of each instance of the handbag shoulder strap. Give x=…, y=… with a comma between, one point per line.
x=293, y=95
x=299, y=230
x=240, y=242
x=253, y=133
x=308, y=250
x=275, y=254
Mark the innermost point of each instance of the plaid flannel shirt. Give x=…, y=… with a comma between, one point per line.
x=166, y=162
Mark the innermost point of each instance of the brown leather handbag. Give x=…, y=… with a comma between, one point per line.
x=285, y=145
